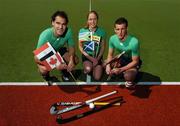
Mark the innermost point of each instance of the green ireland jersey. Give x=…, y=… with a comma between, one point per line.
x=130, y=45
x=56, y=42
x=91, y=40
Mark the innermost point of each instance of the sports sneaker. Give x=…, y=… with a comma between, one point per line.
x=129, y=85
x=65, y=75
x=65, y=78
x=50, y=82
x=48, y=79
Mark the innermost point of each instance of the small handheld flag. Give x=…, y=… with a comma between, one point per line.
x=85, y=36
x=48, y=56
x=91, y=40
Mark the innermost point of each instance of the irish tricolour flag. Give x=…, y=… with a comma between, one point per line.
x=48, y=56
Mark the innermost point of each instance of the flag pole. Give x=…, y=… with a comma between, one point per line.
x=88, y=77
x=90, y=6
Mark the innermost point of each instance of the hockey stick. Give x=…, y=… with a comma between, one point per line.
x=78, y=103
x=117, y=57
x=55, y=111
x=63, y=120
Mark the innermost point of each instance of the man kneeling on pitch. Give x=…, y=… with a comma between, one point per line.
x=128, y=63
x=58, y=36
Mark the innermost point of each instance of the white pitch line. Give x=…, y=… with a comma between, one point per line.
x=82, y=83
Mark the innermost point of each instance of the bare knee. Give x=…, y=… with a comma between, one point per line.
x=130, y=75
x=66, y=57
x=87, y=67
x=97, y=72
x=76, y=60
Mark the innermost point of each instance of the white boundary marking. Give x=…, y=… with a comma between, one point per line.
x=82, y=83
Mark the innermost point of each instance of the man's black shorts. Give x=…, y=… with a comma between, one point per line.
x=62, y=50
x=124, y=61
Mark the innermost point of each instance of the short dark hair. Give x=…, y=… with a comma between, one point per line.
x=121, y=20
x=61, y=14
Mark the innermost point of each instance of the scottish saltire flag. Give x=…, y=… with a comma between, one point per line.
x=84, y=36
x=89, y=46
x=91, y=42
x=48, y=56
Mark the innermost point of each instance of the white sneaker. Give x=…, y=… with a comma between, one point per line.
x=129, y=84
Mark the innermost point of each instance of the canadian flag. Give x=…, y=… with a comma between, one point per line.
x=48, y=56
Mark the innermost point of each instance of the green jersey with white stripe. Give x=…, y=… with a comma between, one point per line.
x=56, y=42
x=130, y=45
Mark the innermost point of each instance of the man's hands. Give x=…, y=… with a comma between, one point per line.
x=108, y=69
x=116, y=71
x=64, y=66
x=38, y=61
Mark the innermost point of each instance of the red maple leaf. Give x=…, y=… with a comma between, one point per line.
x=53, y=61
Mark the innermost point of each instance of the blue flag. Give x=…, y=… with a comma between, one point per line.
x=89, y=46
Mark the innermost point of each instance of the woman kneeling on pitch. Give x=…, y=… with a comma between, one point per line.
x=91, y=45
x=129, y=63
